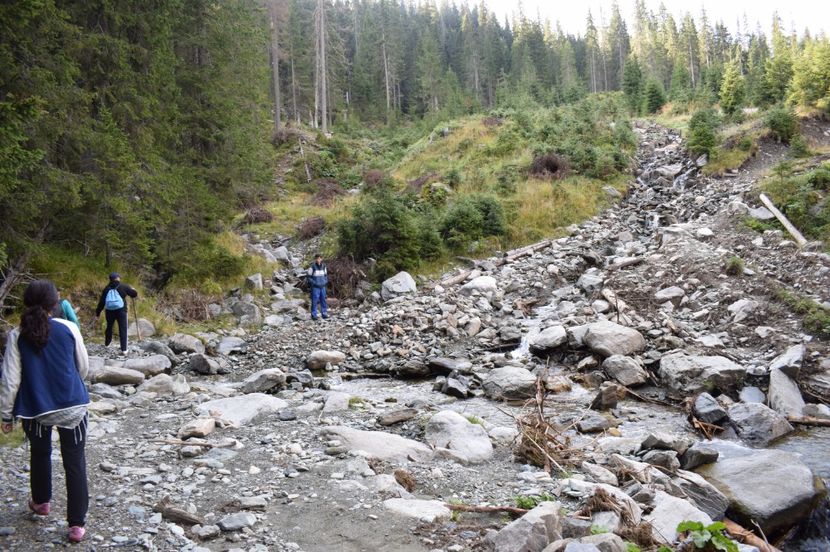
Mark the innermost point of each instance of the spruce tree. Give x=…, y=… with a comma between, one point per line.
x=732, y=89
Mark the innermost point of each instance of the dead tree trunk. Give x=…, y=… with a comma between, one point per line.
x=275, y=61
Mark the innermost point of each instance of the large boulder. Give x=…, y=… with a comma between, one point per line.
x=685, y=374
x=790, y=360
x=165, y=384
x=444, y=366
x=183, y=343
x=668, y=512
x=758, y=424
x=453, y=435
x=674, y=294
x=533, y=531
x=203, y=364
x=708, y=409
x=144, y=327
x=427, y=511
x=784, y=396
x=149, y=366
x=773, y=487
x=609, y=338
x=625, y=370
x=317, y=360
x=263, y=380
x=703, y=494
x=241, y=409
x=249, y=314
x=401, y=283
x=114, y=375
x=509, y=382
x=159, y=348
x=378, y=444
x=482, y=284
x=548, y=339
x=231, y=344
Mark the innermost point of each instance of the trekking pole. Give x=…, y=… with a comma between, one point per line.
x=137, y=326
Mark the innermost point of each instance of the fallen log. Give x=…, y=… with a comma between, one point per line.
x=182, y=443
x=486, y=509
x=797, y=236
x=747, y=537
x=367, y=375
x=523, y=252
x=174, y=514
x=456, y=279
x=808, y=421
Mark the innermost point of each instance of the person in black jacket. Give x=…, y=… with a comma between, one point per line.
x=114, y=302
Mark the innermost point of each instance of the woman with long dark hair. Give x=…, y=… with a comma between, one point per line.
x=42, y=384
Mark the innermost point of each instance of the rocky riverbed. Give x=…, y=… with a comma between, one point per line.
x=363, y=431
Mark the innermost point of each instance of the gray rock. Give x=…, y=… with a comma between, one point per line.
x=773, y=487
x=752, y=395
x=574, y=528
x=591, y=281
x=401, y=283
x=281, y=254
x=606, y=542
x=758, y=424
x=669, y=171
x=584, y=489
x=183, y=343
x=454, y=436
x=790, y=360
x=761, y=213
x=594, y=422
x=337, y=401
x=205, y=532
x=698, y=455
x=821, y=411
x=663, y=458
x=231, y=344
x=668, y=512
x=742, y=309
x=481, y=284
x=784, y=395
x=577, y=547
x=241, y=409
x=378, y=444
x=317, y=360
x=684, y=374
x=200, y=427
x=608, y=338
x=608, y=396
x=165, y=384
x=263, y=380
x=203, y=364
x=249, y=314
x=237, y=521
x=254, y=281
x=149, y=366
x=533, y=531
x=673, y=294
x=397, y=416
x=159, y=348
x=427, y=511
x=456, y=387
x=412, y=368
x=509, y=382
x=708, y=409
x=600, y=474
x=703, y=494
x=145, y=328
x=665, y=441
x=625, y=370
x=607, y=521
x=548, y=339
x=444, y=366
x=113, y=375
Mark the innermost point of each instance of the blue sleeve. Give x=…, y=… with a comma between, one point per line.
x=69, y=313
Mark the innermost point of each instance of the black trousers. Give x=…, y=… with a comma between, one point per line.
x=73, y=455
x=121, y=316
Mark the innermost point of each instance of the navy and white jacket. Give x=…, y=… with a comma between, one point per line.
x=318, y=275
x=35, y=384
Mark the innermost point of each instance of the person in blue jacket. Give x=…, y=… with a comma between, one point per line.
x=42, y=384
x=318, y=278
x=64, y=310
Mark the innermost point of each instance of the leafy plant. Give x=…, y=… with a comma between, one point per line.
x=734, y=266
x=708, y=538
x=782, y=122
x=599, y=529
x=702, y=133
x=528, y=502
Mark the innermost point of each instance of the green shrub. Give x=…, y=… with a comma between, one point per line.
x=702, y=131
x=782, y=122
x=734, y=266
x=471, y=219
x=798, y=147
x=709, y=537
x=654, y=97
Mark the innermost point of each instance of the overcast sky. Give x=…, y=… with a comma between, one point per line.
x=812, y=14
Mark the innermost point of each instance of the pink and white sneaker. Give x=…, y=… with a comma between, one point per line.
x=76, y=534
x=39, y=509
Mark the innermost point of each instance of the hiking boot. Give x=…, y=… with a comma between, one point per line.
x=39, y=509
x=325, y=317
x=76, y=534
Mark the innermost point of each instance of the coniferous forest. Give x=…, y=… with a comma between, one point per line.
x=132, y=132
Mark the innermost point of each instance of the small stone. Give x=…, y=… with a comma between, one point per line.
x=237, y=521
